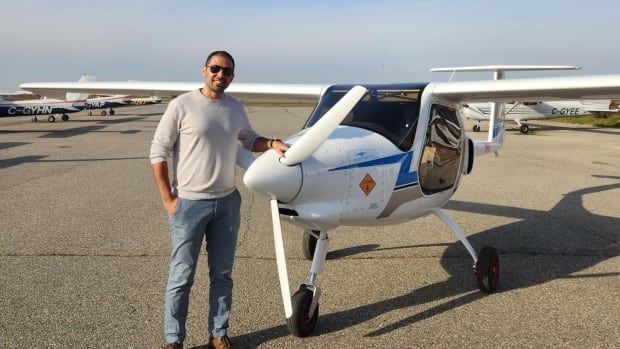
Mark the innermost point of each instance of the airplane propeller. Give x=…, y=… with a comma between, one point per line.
x=318, y=133
x=267, y=176
x=281, y=180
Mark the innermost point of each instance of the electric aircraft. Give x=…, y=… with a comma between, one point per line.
x=370, y=154
x=73, y=102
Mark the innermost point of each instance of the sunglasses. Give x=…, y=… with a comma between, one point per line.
x=216, y=69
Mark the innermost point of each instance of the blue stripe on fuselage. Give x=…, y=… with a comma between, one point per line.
x=405, y=177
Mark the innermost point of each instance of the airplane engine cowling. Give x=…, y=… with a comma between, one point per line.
x=267, y=176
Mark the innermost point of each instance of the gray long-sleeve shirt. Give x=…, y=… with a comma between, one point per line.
x=203, y=134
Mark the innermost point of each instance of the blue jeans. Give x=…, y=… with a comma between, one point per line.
x=217, y=222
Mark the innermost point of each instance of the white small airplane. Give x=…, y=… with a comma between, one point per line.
x=73, y=102
x=145, y=100
x=17, y=95
x=370, y=154
x=520, y=112
x=108, y=102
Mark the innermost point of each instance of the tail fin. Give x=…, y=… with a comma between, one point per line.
x=72, y=96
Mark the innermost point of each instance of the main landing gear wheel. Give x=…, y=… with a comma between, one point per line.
x=302, y=323
x=524, y=129
x=65, y=117
x=487, y=269
x=103, y=113
x=308, y=244
x=51, y=118
x=34, y=119
x=112, y=112
x=476, y=128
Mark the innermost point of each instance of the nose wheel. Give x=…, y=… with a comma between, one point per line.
x=487, y=269
x=302, y=323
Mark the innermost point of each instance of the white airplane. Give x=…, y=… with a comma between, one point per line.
x=73, y=102
x=108, y=102
x=520, y=112
x=371, y=154
x=16, y=95
x=145, y=100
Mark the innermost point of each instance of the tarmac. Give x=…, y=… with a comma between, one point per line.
x=84, y=247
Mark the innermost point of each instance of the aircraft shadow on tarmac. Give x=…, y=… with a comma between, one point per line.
x=7, y=145
x=567, y=230
x=560, y=127
x=6, y=163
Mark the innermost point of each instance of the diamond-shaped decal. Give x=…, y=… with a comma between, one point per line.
x=367, y=184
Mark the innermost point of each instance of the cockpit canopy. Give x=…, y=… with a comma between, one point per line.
x=391, y=110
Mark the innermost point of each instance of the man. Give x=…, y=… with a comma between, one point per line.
x=203, y=129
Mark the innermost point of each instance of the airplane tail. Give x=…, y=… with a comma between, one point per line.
x=72, y=96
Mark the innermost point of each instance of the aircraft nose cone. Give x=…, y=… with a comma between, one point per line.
x=267, y=176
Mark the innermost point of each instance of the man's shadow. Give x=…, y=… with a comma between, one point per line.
x=568, y=230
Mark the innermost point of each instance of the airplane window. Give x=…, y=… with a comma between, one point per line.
x=391, y=113
x=441, y=156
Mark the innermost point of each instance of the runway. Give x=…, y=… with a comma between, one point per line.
x=84, y=248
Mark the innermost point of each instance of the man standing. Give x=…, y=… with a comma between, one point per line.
x=203, y=129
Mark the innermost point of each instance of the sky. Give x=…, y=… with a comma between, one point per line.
x=292, y=41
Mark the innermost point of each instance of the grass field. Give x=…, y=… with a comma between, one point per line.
x=613, y=120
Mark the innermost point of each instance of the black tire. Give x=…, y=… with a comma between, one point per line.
x=34, y=119
x=301, y=324
x=65, y=117
x=103, y=113
x=487, y=269
x=51, y=118
x=308, y=244
x=112, y=112
x=476, y=128
x=524, y=129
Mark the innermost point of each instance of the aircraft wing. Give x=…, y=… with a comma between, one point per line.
x=249, y=93
x=550, y=89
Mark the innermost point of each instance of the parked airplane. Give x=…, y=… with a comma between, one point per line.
x=145, y=100
x=370, y=154
x=522, y=111
x=107, y=102
x=73, y=102
x=17, y=95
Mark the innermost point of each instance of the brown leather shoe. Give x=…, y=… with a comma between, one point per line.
x=220, y=343
x=172, y=346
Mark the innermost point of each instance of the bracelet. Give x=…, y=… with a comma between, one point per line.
x=270, y=143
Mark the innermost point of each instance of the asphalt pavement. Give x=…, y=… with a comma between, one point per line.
x=84, y=247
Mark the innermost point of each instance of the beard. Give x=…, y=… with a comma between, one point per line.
x=218, y=88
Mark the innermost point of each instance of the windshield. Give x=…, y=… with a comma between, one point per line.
x=391, y=111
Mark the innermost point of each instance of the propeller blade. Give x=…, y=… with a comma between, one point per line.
x=318, y=133
x=281, y=259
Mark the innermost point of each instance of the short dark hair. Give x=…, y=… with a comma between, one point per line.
x=221, y=53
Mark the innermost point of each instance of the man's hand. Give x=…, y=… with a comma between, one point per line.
x=171, y=205
x=279, y=146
